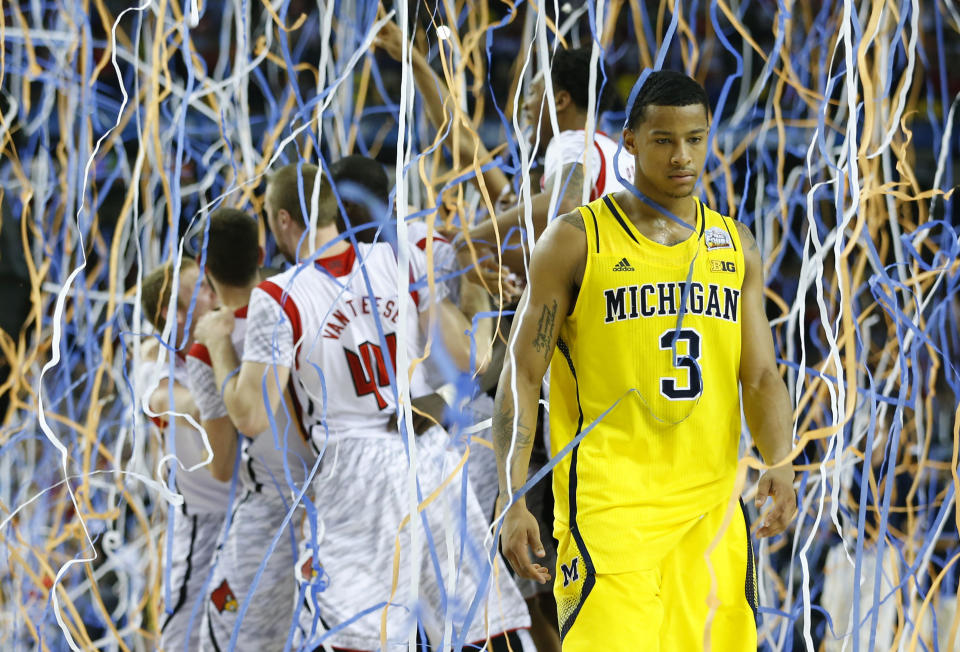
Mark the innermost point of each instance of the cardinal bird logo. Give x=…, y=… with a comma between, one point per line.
x=223, y=598
x=307, y=571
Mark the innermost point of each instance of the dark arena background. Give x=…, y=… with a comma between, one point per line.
x=834, y=138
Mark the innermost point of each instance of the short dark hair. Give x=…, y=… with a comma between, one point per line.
x=156, y=290
x=362, y=183
x=570, y=71
x=283, y=190
x=667, y=88
x=364, y=171
x=233, y=247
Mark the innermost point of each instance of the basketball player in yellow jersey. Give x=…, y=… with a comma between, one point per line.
x=651, y=316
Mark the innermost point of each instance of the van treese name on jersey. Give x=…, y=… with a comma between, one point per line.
x=656, y=299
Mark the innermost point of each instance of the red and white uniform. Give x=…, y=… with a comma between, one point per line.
x=197, y=525
x=324, y=323
x=334, y=324
x=269, y=458
x=273, y=469
x=444, y=260
x=569, y=147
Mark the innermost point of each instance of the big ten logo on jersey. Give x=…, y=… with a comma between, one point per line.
x=368, y=367
x=723, y=266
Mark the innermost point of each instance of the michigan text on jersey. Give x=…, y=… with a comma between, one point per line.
x=650, y=300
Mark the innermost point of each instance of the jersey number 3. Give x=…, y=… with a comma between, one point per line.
x=688, y=361
x=368, y=368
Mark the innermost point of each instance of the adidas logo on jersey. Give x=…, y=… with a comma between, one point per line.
x=623, y=266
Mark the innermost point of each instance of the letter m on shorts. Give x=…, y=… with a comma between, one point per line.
x=570, y=574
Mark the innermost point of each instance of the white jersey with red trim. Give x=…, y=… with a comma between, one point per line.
x=268, y=457
x=444, y=259
x=568, y=147
x=202, y=493
x=334, y=322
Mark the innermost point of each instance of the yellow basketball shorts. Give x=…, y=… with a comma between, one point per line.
x=669, y=606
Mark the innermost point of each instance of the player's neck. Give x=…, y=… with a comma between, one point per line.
x=324, y=236
x=572, y=120
x=639, y=211
x=237, y=297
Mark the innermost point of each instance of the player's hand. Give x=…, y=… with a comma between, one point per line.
x=213, y=326
x=777, y=484
x=521, y=533
x=484, y=271
x=507, y=200
x=431, y=408
x=149, y=348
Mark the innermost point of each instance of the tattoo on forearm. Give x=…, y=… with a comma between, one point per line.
x=544, y=335
x=503, y=430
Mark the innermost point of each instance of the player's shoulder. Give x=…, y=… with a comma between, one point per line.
x=279, y=289
x=563, y=241
x=379, y=256
x=418, y=232
x=198, y=353
x=569, y=136
x=568, y=142
x=282, y=279
x=605, y=140
x=747, y=240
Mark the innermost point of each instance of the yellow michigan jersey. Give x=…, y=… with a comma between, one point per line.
x=649, y=362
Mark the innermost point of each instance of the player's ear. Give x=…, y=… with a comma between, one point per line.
x=261, y=255
x=561, y=100
x=629, y=140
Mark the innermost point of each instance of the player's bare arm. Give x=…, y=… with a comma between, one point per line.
x=223, y=442
x=556, y=271
x=220, y=431
x=436, y=96
x=243, y=392
x=454, y=328
x=569, y=194
x=766, y=402
x=160, y=399
x=183, y=403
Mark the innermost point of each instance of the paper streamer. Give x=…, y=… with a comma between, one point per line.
x=834, y=138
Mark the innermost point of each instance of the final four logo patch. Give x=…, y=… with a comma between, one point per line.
x=717, y=238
